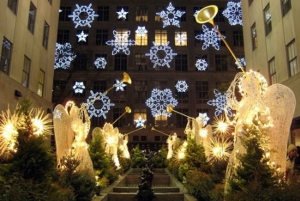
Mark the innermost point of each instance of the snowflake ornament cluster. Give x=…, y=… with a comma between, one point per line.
x=98, y=112
x=181, y=86
x=121, y=42
x=181, y=38
x=201, y=64
x=82, y=36
x=159, y=101
x=220, y=103
x=83, y=16
x=233, y=13
x=140, y=122
x=204, y=118
x=170, y=16
x=78, y=87
x=63, y=56
x=141, y=31
x=161, y=55
x=210, y=37
x=122, y=14
x=100, y=63
x=119, y=85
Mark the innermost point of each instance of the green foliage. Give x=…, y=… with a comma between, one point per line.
x=159, y=160
x=138, y=159
x=125, y=163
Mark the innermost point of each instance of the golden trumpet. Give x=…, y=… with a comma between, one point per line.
x=127, y=110
x=153, y=129
x=135, y=130
x=207, y=14
x=170, y=109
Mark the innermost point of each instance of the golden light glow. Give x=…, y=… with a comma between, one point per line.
x=203, y=133
x=219, y=149
x=42, y=124
x=220, y=125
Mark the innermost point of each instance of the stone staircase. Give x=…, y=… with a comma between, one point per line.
x=166, y=187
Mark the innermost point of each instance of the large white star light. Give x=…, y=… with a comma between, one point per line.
x=220, y=103
x=122, y=14
x=121, y=42
x=161, y=55
x=139, y=122
x=141, y=31
x=159, y=101
x=98, y=112
x=201, y=64
x=78, y=87
x=82, y=36
x=119, y=85
x=83, y=16
x=210, y=37
x=181, y=86
x=170, y=16
x=63, y=56
x=233, y=13
x=100, y=63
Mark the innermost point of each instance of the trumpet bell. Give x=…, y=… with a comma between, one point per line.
x=207, y=14
x=126, y=78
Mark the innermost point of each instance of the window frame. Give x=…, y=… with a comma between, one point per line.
x=6, y=56
x=31, y=18
x=26, y=71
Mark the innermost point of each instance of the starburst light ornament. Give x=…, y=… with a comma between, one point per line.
x=63, y=56
x=100, y=63
x=201, y=64
x=181, y=86
x=233, y=13
x=82, y=36
x=83, y=16
x=122, y=14
x=210, y=37
x=170, y=16
x=220, y=103
x=140, y=122
x=78, y=87
x=119, y=85
x=161, y=55
x=159, y=101
x=98, y=112
x=121, y=42
x=141, y=31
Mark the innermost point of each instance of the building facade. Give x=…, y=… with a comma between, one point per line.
x=271, y=27
x=160, y=57
x=28, y=34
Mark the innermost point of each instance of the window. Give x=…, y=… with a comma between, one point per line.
x=41, y=82
x=285, y=6
x=101, y=37
x=182, y=97
x=221, y=62
x=160, y=84
x=140, y=91
x=139, y=113
x=6, y=56
x=161, y=120
x=63, y=36
x=202, y=92
x=196, y=9
x=26, y=71
x=181, y=62
x=13, y=5
x=118, y=121
x=180, y=38
x=254, y=36
x=268, y=19
x=83, y=40
x=103, y=12
x=197, y=42
x=119, y=96
x=238, y=40
x=292, y=58
x=222, y=86
x=157, y=17
x=161, y=37
x=157, y=138
x=181, y=120
x=64, y=13
x=141, y=14
x=135, y=138
x=80, y=62
x=99, y=86
x=59, y=85
x=120, y=62
x=144, y=138
x=202, y=57
x=140, y=62
x=31, y=18
x=272, y=71
x=141, y=39
x=202, y=110
x=181, y=9
x=46, y=34
x=125, y=8
x=122, y=37
x=98, y=122
x=220, y=17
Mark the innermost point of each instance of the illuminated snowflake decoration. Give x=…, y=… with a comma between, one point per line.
x=242, y=62
x=140, y=122
x=141, y=31
x=170, y=16
x=63, y=56
x=233, y=13
x=181, y=86
x=159, y=101
x=119, y=85
x=204, y=118
x=161, y=55
x=100, y=63
x=181, y=38
x=78, y=87
x=220, y=103
x=98, y=112
x=210, y=37
x=121, y=42
x=122, y=14
x=201, y=64
x=82, y=36
x=83, y=16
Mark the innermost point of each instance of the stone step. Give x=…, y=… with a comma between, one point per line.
x=155, y=189
x=157, y=197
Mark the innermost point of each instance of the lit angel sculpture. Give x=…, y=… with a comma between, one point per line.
x=123, y=140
